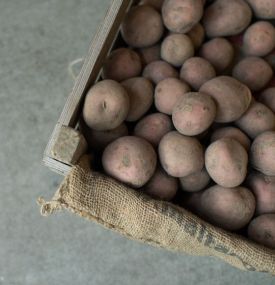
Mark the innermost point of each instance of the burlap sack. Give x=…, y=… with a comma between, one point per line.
x=137, y=216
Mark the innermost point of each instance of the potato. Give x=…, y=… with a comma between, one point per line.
x=122, y=63
x=142, y=27
x=180, y=16
x=267, y=97
x=262, y=153
x=168, y=92
x=219, y=52
x=98, y=140
x=254, y=72
x=228, y=208
x=130, y=160
x=162, y=186
x=195, y=182
x=196, y=71
x=157, y=4
x=263, y=9
x=141, y=95
x=231, y=96
x=197, y=34
x=194, y=113
x=159, y=70
x=180, y=155
x=176, y=49
x=262, y=230
x=153, y=127
x=263, y=188
x=256, y=120
x=226, y=18
x=106, y=106
x=233, y=133
x=259, y=39
x=149, y=54
x=226, y=162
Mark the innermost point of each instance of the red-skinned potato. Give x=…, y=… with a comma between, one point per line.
x=162, y=186
x=194, y=113
x=219, y=52
x=226, y=18
x=157, y=4
x=180, y=155
x=196, y=71
x=195, y=182
x=149, y=54
x=259, y=39
x=262, y=230
x=263, y=188
x=197, y=34
x=141, y=95
x=159, y=70
x=176, y=20
x=267, y=97
x=153, y=127
x=231, y=97
x=233, y=133
x=168, y=92
x=263, y=9
x=121, y=64
x=270, y=59
x=130, y=160
x=142, y=27
x=254, y=72
x=228, y=208
x=176, y=49
x=226, y=162
x=262, y=153
x=106, y=106
x=256, y=120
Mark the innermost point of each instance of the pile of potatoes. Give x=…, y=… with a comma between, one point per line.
x=184, y=110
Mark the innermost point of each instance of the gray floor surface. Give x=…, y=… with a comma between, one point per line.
x=38, y=38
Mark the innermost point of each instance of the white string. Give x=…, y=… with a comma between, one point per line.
x=71, y=66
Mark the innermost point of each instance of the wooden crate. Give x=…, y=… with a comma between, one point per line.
x=67, y=144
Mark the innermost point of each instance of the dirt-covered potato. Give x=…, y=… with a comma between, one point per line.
x=106, y=106
x=219, y=52
x=180, y=16
x=267, y=97
x=228, y=208
x=263, y=187
x=194, y=113
x=131, y=160
x=226, y=162
x=180, y=155
x=122, y=63
x=196, y=71
x=141, y=94
x=262, y=153
x=259, y=39
x=262, y=230
x=162, y=186
x=195, y=182
x=226, y=18
x=254, y=72
x=157, y=4
x=98, y=140
x=149, y=54
x=159, y=70
x=231, y=97
x=153, y=127
x=142, y=27
x=256, y=120
x=176, y=49
x=233, y=133
x=197, y=34
x=270, y=59
x=168, y=92
x=263, y=9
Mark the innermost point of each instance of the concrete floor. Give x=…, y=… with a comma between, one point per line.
x=38, y=38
